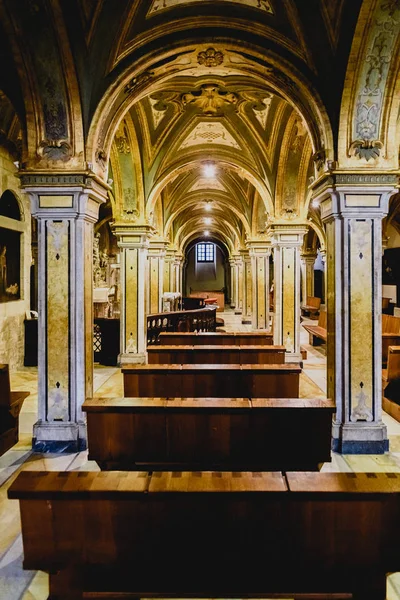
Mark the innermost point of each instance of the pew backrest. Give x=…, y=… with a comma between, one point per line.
x=218, y=381
x=213, y=354
x=253, y=338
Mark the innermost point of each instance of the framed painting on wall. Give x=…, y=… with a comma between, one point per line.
x=10, y=265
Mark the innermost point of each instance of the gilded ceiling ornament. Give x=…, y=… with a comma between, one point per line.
x=366, y=149
x=101, y=158
x=319, y=158
x=138, y=81
x=121, y=141
x=210, y=99
x=210, y=57
x=55, y=150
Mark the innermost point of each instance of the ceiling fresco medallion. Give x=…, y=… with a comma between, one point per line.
x=210, y=133
x=159, y=5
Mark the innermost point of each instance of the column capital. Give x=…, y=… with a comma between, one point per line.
x=158, y=246
x=132, y=236
x=308, y=256
x=258, y=247
x=288, y=236
x=64, y=196
x=349, y=194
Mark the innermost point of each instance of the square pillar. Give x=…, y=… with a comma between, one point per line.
x=156, y=256
x=260, y=253
x=66, y=208
x=287, y=241
x=352, y=209
x=247, y=288
x=134, y=243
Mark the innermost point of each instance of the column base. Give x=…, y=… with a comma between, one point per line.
x=133, y=359
x=238, y=312
x=246, y=321
x=59, y=437
x=360, y=439
x=293, y=357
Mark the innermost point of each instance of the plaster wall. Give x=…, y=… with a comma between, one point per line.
x=12, y=313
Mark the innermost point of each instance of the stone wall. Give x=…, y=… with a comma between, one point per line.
x=12, y=313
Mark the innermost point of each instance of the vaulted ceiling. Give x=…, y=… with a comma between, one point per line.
x=251, y=88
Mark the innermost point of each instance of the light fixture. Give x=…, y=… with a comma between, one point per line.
x=206, y=233
x=207, y=220
x=209, y=170
x=208, y=205
x=315, y=203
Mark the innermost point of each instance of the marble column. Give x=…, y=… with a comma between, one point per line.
x=287, y=241
x=66, y=208
x=232, y=263
x=169, y=273
x=155, y=288
x=247, y=288
x=307, y=274
x=238, y=284
x=260, y=253
x=352, y=209
x=178, y=272
x=133, y=242
x=325, y=275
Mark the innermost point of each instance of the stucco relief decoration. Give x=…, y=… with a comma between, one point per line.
x=159, y=103
x=121, y=141
x=210, y=133
x=260, y=105
x=211, y=99
x=160, y=5
x=130, y=210
x=372, y=81
x=210, y=57
x=300, y=132
x=55, y=146
x=138, y=81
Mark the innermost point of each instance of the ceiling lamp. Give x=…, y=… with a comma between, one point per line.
x=207, y=220
x=208, y=205
x=209, y=170
x=206, y=233
x=315, y=203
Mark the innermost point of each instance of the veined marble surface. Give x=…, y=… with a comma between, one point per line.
x=17, y=584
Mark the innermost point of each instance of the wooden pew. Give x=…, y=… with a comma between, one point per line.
x=391, y=383
x=10, y=407
x=311, y=307
x=206, y=381
x=235, y=434
x=390, y=335
x=234, y=535
x=317, y=333
x=214, y=354
x=252, y=338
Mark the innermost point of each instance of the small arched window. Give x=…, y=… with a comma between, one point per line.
x=9, y=206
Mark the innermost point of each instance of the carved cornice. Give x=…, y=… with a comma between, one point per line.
x=332, y=180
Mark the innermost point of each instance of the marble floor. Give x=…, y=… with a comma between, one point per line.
x=17, y=584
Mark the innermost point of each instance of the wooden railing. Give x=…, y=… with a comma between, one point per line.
x=203, y=319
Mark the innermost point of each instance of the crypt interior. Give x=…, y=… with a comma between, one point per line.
x=157, y=152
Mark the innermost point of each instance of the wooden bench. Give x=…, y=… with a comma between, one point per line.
x=217, y=296
x=214, y=354
x=391, y=383
x=252, y=338
x=235, y=434
x=206, y=381
x=311, y=307
x=390, y=335
x=10, y=407
x=234, y=535
x=317, y=333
